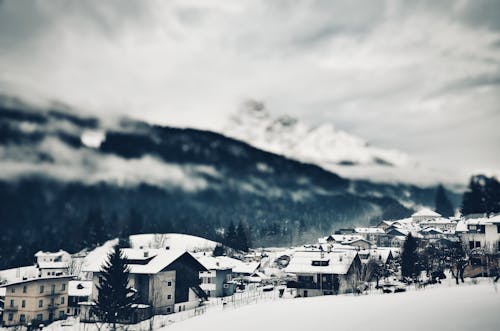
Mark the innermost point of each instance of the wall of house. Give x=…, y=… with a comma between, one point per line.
x=22, y=301
x=162, y=292
x=489, y=239
x=192, y=302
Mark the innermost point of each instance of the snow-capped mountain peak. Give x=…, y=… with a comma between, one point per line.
x=325, y=145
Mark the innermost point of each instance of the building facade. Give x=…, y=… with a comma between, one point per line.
x=35, y=300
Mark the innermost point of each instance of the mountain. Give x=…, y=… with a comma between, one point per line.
x=70, y=182
x=335, y=150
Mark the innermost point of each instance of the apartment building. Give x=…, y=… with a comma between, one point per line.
x=35, y=300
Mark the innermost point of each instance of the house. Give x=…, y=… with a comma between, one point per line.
x=482, y=233
x=78, y=291
x=166, y=281
x=445, y=225
x=217, y=281
x=53, y=264
x=359, y=243
x=424, y=214
x=371, y=234
x=324, y=273
x=35, y=300
x=382, y=254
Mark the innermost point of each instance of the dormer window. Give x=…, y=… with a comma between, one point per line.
x=320, y=263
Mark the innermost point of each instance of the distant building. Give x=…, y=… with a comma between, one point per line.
x=481, y=233
x=166, y=281
x=217, y=281
x=324, y=273
x=424, y=215
x=35, y=300
x=53, y=264
x=78, y=291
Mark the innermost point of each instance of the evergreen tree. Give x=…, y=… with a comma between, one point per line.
x=94, y=228
x=115, y=297
x=409, y=258
x=242, y=236
x=230, y=236
x=442, y=203
x=218, y=250
x=135, y=222
x=482, y=196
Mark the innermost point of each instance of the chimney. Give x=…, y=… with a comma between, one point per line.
x=146, y=254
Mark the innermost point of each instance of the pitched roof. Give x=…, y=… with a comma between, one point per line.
x=337, y=262
x=80, y=288
x=426, y=212
x=142, y=261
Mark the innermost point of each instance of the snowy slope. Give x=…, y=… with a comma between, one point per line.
x=335, y=150
x=464, y=307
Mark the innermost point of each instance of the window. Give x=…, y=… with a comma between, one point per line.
x=62, y=300
x=39, y=317
x=22, y=318
x=478, y=244
x=53, y=288
x=23, y=304
x=42, y=289
x=11, y=316
x=169, y=284
x=12, y=303
x=13, y=290
x=67, y=311
x=471, y=244
x=24, y=289
x=321, y=263
x=63, y=287
x=209, y=280
x=169, y=297
x=498, y=228
x=40, y=303
x=169, y=310
x=61, y=313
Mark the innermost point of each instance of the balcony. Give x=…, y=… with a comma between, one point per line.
x=11, y=308
x=207, y=274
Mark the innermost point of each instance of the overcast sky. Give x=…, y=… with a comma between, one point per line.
x=419, y=76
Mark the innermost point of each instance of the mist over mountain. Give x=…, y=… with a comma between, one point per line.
x=70, y=182
x=324, y=145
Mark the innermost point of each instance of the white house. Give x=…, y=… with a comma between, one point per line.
x=324, y=273
x=481, y=233
x=53, y=263
x=424, y=215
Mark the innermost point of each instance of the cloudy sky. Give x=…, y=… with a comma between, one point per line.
x=419, y=76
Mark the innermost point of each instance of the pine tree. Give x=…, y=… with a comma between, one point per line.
x=115, y=297
x=482, y=196
x=218, y=250
x=230, y=236
x=242, y=235
x=442, y=203
x=409, y=258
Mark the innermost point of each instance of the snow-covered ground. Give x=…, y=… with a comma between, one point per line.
x=464, y=307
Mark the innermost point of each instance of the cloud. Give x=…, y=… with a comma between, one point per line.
x=402, y=74
x=62, y=162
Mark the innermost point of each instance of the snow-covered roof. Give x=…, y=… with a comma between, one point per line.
x=80, y=288
x=332, y=262
x=439, y=220
x=52, y=254
x=21, y=281
x=217, y=262
x=246, y=268
x=3, y=291
x=426, y=212
x=370, y=230
x=10, y=275
x=141, y=261
x=431, y=230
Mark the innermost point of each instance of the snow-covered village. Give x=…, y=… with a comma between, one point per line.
x=249, y=165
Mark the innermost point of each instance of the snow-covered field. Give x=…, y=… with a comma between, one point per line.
x=464, y=307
